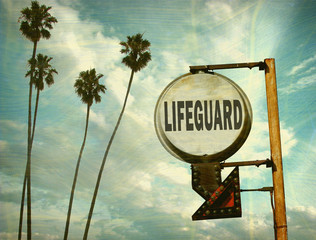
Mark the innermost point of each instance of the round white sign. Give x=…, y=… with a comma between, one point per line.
x=203, y=117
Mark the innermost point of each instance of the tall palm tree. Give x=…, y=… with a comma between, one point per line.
x=88, y=88
x=35, y=22
x=137, y=57
x=42, y=72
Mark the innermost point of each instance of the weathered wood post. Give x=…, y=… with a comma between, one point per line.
x=275, y=149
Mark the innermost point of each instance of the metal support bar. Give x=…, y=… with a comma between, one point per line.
x=206, y=68
x=264, y=189
x=257, y=163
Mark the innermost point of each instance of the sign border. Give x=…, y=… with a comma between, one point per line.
x=219, y=156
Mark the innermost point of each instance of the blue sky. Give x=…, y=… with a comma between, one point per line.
x=145, y=192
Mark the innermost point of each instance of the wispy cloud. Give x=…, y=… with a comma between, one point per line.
x=80, y=44
x=302, y=65
x=12, y=125
x=176, y=174
x=96, y=117
x=117, y=81
x=303, y=74
x=36, y=235
x=288, y=140
x=300, y=84
x=310, y=210
x=143, y=180
x=3, y=145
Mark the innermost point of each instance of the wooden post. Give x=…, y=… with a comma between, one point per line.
x=275, y=149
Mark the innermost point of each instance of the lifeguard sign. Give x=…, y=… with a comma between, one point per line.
x=203, y=118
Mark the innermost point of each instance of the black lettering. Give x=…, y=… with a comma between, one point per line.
x=188, y=115
x=223, y=115
x=167, y=125
x=237, y=120
x=174, y=116
x=208, y=124
x=218, y=117
x=227, y=112
x=180, y=114
x=198, y=118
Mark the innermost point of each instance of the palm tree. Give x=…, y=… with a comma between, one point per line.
x=42, y=71
x=88, y=88
x=137, y=57
x=34, y=24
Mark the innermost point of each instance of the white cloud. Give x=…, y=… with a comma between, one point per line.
x=306, y=81
x=118, y=229
x=3, y=145
x=176, y=201
x=309, y=70
x=288, y=140
x=220, y=11
x=310, y=210
x=301, y=65
x=117, y=80
x=303, y=74
x=96, y=117
x=142, y=180
x=174, y=173
x=301, y=83
x=12, y=125
x=206, y=225
x=9, y=236
x=253, y=222
x=232, y=41
x=80, y=44
x=173, y=61
x=141, y=118
x=257, y=145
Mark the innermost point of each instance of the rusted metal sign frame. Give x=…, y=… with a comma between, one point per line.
x=274, y=135
x=257, y=163
x=205, y=68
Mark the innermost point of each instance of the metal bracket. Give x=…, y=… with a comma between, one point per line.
x=264, y=189
x=257, y=163
x=207, y=68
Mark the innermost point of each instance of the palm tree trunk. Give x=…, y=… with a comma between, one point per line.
x=76, y=175
x=30, y=143
x=27, y=176
x=22, y=206
x=104, y=160
x=35, y=115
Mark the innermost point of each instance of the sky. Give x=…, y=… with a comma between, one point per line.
x=145, y=192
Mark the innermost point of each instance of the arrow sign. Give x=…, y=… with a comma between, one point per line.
x=224, y=202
